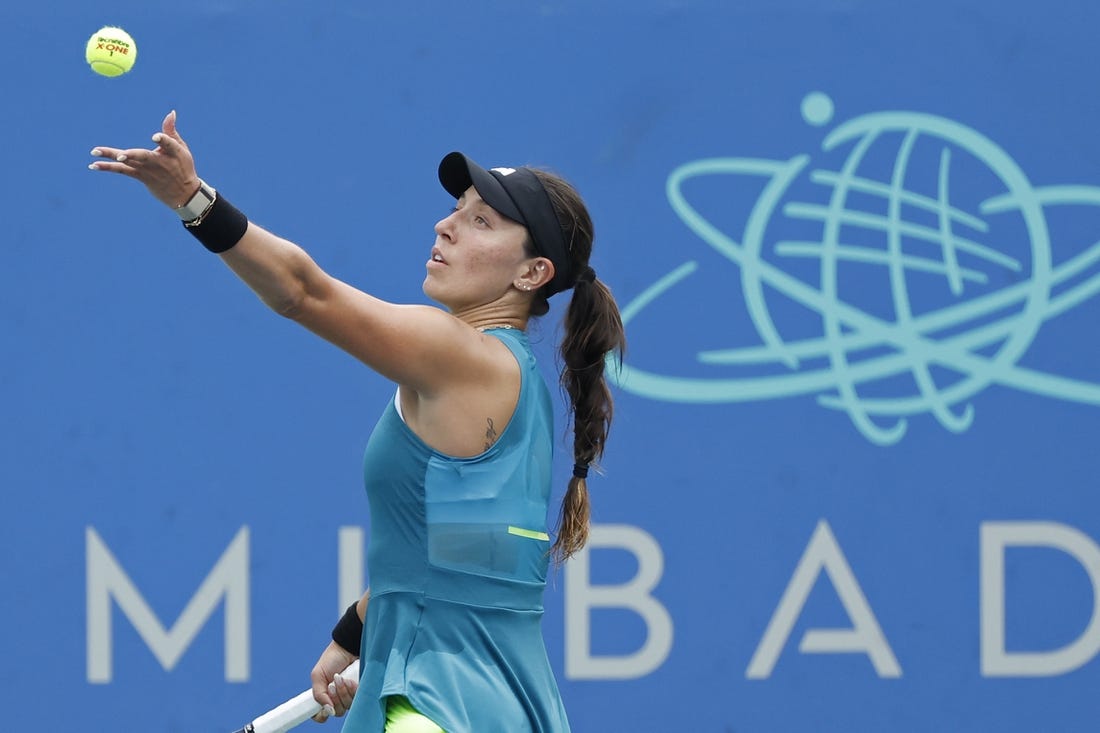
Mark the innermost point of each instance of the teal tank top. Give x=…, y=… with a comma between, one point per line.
x=458, y=556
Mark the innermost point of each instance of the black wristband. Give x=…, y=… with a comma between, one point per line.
x=348, y=632
x=221, y=228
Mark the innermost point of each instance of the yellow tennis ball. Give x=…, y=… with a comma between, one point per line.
x=111, y=51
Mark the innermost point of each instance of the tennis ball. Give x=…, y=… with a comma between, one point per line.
x=111, y=51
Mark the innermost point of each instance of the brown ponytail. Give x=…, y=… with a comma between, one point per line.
x=593, y=329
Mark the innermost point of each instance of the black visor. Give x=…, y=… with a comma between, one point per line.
x=517, y=194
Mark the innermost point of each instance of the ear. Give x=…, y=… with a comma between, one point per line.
x=537, y=272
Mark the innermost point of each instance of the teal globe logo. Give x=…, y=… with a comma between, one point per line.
x=898, y=273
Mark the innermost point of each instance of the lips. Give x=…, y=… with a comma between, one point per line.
x=437, y=256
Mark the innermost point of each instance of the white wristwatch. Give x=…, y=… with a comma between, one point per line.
x=194, y=210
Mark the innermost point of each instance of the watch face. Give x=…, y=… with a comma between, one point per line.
x=198, y=204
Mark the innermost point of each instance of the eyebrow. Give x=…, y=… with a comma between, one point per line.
x=481, y=205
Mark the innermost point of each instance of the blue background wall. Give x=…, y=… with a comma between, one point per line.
x=146, y=395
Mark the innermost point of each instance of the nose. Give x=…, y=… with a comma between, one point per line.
x=445, y=227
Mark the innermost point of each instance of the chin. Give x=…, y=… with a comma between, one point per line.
x=431, y=290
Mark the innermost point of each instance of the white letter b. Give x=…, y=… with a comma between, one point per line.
x=581, y=596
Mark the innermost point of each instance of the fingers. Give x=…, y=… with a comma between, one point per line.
x=168, y=171
x=341, y=691
x=320, y=694
x=115, y=161
x=168, y=127
x=333, y=692
x=127, y=162
x=167, y=144
x=102, y=152
x=327, y=710
x=132, y=160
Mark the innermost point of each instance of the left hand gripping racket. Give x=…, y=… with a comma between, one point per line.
x=294, y=711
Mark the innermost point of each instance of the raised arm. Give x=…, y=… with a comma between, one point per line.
x=403, y=343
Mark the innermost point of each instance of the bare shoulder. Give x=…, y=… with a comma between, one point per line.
x=419, y=346
x=469, y=358
x=473, y=401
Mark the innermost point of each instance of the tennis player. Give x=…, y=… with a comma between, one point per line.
x=458, y=468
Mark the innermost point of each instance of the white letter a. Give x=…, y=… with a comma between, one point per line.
x=865, y=635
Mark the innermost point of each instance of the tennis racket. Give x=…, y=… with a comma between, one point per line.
x=294, y=711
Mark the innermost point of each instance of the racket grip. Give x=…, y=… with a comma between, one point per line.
x=294, y=711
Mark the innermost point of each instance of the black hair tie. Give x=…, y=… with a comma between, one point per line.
x=580, y=470
x=588, y=275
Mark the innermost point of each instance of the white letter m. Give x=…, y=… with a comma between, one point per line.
x=106, y=580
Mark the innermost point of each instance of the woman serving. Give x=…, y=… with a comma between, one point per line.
x=458, y=468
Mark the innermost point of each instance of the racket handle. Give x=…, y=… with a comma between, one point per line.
x=294, y=711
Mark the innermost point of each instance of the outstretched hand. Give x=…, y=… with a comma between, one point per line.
x=168, y=170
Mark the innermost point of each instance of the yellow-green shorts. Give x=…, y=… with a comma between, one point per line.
x=402, y=717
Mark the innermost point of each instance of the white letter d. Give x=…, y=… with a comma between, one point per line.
x=995, y=537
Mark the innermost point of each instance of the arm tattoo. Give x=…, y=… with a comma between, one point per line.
x=490, y=433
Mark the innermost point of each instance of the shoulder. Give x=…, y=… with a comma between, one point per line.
x=462, y=356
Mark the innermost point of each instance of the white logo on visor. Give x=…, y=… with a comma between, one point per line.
x=504, y=171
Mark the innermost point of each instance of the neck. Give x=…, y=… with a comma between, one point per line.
x=486, y=318
x=512, y=326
